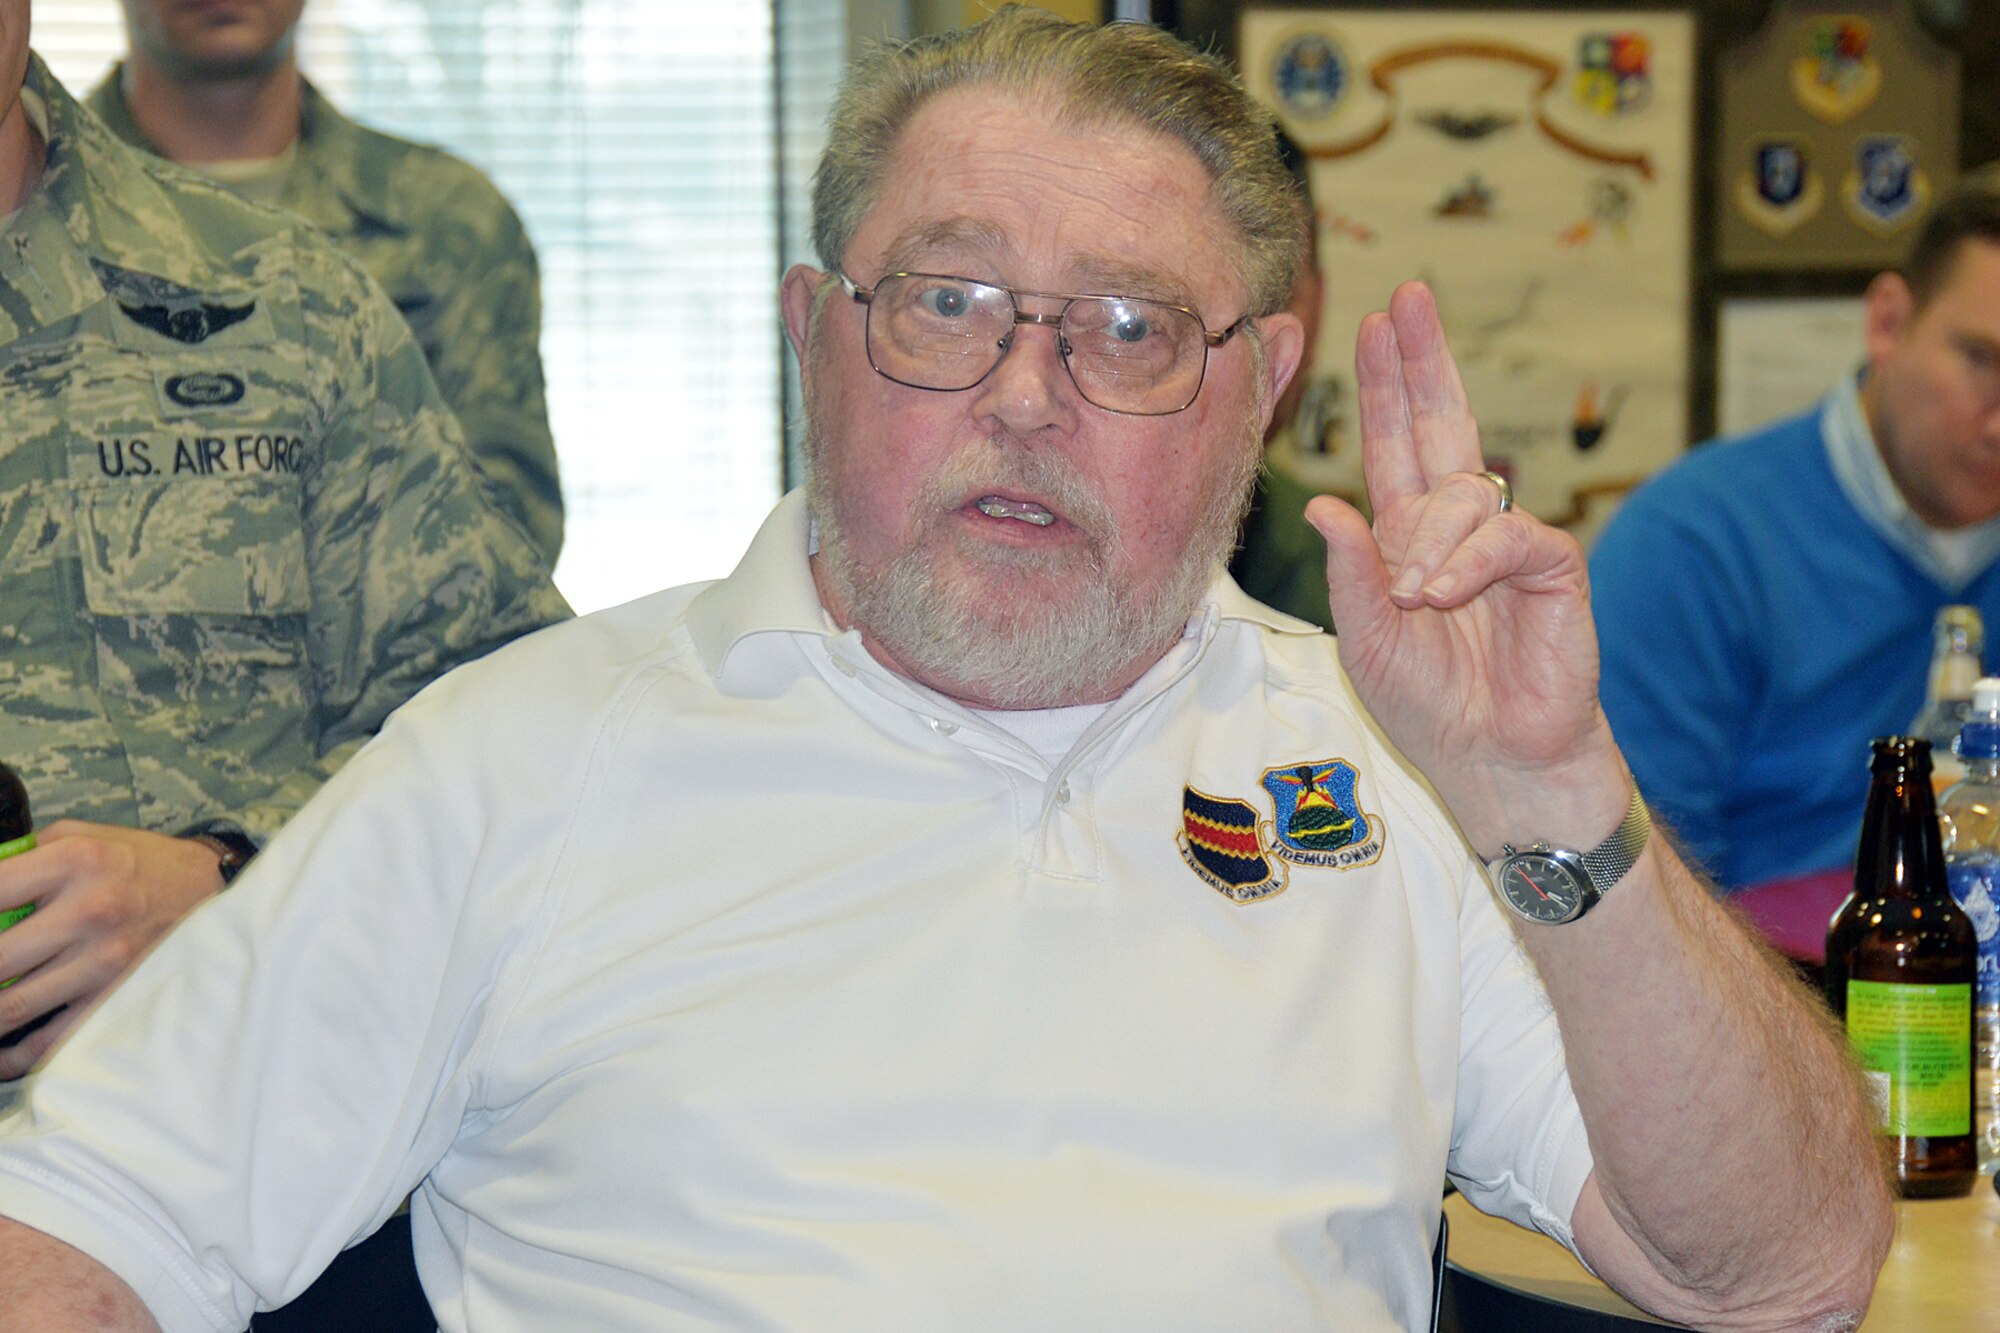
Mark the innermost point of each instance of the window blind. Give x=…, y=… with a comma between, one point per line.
x=812, y=50
x=638, y=141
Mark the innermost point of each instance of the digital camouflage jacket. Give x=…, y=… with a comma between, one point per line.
x=238, y=525
x=450, y=250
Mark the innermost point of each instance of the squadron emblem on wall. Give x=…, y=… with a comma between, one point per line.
x=1838, y=77
x=1780, y=187
x=1614, y=72
x=1311, y=74
x=1885, y=190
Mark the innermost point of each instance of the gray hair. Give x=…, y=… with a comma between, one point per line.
x=1119, y=74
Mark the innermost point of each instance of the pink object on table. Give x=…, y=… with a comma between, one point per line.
x=1793, y=912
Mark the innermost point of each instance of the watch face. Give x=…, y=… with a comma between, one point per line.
x=1542, y=888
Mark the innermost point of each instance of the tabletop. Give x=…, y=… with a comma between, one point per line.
x=1943, y=1273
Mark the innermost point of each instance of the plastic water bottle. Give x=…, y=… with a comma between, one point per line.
x=1969, y=819
x=1958, y=640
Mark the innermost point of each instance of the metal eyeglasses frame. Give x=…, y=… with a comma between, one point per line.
x=1211, y=338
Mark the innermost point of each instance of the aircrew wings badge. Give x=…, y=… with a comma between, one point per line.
x=1317, y=820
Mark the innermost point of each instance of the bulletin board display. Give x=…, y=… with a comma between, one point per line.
x=1535, y=167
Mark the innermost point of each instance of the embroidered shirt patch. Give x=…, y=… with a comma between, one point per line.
x=1219, y=840
x=1319, y=817
x=1317, y=820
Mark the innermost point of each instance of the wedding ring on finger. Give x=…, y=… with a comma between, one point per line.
x=1506, y=490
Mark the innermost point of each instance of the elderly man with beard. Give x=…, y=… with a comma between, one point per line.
x=974, y=912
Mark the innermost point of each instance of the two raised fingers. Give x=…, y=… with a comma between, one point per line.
x=1465, y=535
x=1417, y=426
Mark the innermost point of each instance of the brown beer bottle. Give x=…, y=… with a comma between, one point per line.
x=1900, y=963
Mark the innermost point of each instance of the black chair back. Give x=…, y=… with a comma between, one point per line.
x=371, y=1287
x=1437, y=1270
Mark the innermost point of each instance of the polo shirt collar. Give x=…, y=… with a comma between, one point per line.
x=769, y=592
x=1232, y=603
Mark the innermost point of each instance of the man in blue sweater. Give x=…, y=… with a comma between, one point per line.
x=1765, y=605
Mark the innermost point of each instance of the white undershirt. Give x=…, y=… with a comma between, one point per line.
x=1049, y=732
x=261, y=180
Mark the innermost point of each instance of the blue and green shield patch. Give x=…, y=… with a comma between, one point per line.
x=1318, y=816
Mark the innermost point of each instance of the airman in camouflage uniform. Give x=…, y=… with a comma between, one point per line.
x=451, y=251
x=238, y=525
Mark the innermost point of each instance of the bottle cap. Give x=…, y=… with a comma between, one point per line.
x=1979, y=738
x=1962, y=623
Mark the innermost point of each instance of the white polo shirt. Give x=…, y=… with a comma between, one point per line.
x=698, y=973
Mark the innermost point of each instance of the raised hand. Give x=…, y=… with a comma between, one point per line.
x=1466, y=630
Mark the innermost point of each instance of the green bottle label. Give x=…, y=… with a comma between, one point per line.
x=1915, y=1043
x=15, y=847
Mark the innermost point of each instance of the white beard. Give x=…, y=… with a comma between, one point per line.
x=1027, y=629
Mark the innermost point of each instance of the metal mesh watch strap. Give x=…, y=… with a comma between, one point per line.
x=1608, y=861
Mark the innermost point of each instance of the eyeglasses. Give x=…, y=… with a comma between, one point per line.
x=1141, y=358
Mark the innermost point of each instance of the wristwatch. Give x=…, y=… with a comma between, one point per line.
x=1555, y=885
x=233, y=847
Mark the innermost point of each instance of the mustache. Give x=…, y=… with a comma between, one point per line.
x=986, y=468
